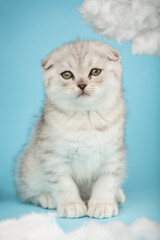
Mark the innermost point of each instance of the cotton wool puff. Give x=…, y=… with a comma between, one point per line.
x=124, y=20
x=43, y=226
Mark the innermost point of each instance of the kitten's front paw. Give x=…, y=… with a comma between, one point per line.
x=72, y=210
x=102, y=210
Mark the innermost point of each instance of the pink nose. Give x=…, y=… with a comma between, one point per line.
x=82, y=86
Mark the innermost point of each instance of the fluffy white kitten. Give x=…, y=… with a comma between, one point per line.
x=75, y=160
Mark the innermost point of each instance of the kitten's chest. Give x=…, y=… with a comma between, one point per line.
x=88, y=128
x=85, y=137
x=86, y=161
x=84, y=144
x=87, y=149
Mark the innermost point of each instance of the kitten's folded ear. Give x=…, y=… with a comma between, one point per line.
x=113, y=55
x=47, y=62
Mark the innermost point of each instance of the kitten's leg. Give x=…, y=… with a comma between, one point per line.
x=120, y=196
x=30, y=185
x=106, y=194
x=69, y=203
x=102, y=203
x=44, y=200
x=63, y=187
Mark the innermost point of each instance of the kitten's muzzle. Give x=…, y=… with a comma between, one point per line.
x=82, y=86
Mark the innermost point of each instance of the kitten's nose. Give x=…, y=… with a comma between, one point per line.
x=82, y=86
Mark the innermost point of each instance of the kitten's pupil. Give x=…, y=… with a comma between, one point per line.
x=95, y=72
x=67, y=75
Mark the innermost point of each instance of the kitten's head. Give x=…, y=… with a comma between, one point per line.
x=82, y=75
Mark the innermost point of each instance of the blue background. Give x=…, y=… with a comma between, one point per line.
x=29, y=31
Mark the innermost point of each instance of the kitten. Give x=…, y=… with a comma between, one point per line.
x=75, y=161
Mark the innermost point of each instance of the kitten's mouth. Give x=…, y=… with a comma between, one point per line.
x=83, y=94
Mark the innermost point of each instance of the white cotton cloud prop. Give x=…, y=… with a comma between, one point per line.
x=123, y=20
x=44, y=227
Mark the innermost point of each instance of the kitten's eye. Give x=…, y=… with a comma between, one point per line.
x=95, y=72
x=67, y=75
